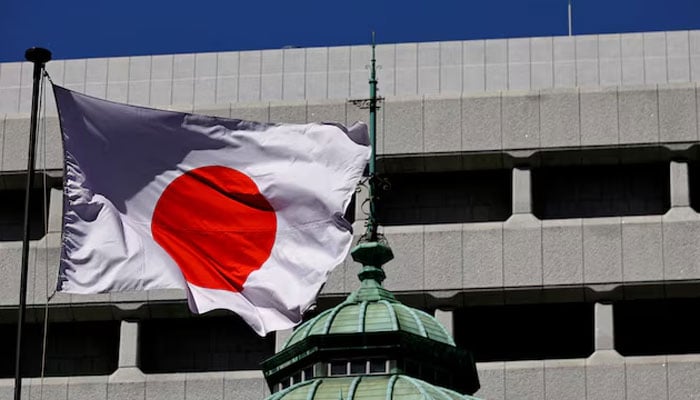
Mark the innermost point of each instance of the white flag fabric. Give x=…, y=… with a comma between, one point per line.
x=244, y=216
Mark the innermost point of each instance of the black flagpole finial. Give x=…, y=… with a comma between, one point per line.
x=37, y=55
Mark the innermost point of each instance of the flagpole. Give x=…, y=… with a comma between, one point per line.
x=39, y=57
x=570, y=16
x=372, y=223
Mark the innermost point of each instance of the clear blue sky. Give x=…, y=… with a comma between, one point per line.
x=99, y=28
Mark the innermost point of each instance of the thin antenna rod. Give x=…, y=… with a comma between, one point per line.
x=570, y=29
x=39, y=57
x=372, y=222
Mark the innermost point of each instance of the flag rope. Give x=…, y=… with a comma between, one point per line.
x=45, y=193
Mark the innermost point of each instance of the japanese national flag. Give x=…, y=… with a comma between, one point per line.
x=245, y=216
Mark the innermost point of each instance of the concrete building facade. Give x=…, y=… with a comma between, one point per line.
x=542, y=202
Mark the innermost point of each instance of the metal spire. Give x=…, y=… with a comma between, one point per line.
x=372, y=250
x=372, y=220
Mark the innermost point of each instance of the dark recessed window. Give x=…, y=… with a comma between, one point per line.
x=694, y=183
x=600, y=190
x=358, y=367
x=526, y=332
x=308, y=373
x=12, y=214
x=72, y=348
x=339, y=368
x=201, y=344
x=445, y=197
x=656, y=327
x=377, y=366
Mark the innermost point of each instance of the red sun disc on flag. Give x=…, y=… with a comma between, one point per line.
x=216, y=225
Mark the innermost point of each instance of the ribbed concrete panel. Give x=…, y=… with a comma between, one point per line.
x=249, y=76
x=10, y=262
x=677, y=117
x=126, y=390
x=639, y=111
x=496, y=64
x=564, y=62
x=386, y=75
x=564, y=380
x=51, y=389
x=428, y=68
x=602, y=250
x=655, y=56
x=519, y=64
x=248, y=385
x=682, y=377
x=681, y=234
x=542, y=66
x=443, y=257
x=481, y=122
x=521, y=121
x=451, y=59
x=227, y=77
x=406, y=270
x=403, y=126
x=271, y=75
x=492, y=379
x=293, y=78
x=610, y=60
x=87, y=387
x=293, y=112
x=251, y=112
x=562, y=253
x=605, y=376
x=559, y=118
x=522, y=251
x=442, y=127
x=642, y=249
x=525, y=380
x=474, y=72
x=204, y=386
x=406, y=69
x=599, y=117
x=338, y=72
x=482, y=246
x=646, y=378
x=587, y=58
x=165, y=387
x=15, y=144
x=328, y=110
x=677, y=49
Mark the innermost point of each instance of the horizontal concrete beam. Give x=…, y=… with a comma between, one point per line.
x=525, y=252
x=520, y=252
x=603, y=376
x=235, y=385
x=497, y=121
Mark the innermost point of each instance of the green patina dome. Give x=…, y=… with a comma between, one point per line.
x=357, y=315
x=371, y=308
x=384, y=387
x=371, y=346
